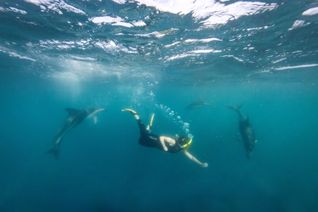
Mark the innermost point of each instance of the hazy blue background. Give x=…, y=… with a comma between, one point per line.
x=48, y=61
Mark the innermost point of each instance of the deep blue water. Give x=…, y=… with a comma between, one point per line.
x=159, y=56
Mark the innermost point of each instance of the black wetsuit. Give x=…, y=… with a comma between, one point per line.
x=152, y=140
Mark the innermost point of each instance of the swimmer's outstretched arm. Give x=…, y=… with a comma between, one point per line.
x=194, y=159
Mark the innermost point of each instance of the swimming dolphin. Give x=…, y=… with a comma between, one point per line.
x=246, y=131
x=75, y=117
x=196, y=104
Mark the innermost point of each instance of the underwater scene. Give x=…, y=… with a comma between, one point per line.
x=158, y=105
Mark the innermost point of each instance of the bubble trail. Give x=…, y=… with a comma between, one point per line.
x=175, y=118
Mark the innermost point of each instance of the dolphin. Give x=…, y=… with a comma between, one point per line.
x=197, y=104
x=246, y=131
x=75, y=117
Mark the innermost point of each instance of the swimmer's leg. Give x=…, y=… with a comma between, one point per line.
x=143, y=129
x=135, y=114
x=149, y=126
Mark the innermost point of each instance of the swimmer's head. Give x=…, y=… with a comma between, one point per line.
x=184, y=141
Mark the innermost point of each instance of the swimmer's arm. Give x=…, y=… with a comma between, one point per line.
x=166, y=140
x=194, y=159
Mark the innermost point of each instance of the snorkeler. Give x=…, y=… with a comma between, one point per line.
x=165, y=143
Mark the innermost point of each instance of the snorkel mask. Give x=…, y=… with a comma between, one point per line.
x=185, y=141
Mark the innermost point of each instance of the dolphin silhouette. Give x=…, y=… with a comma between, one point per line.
x=75, y=117
x=197, y=104
x=246, y=130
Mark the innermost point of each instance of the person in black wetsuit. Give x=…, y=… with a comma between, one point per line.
x=164, y=143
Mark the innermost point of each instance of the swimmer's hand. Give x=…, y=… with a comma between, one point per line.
x=204, y=165
x=165, y=148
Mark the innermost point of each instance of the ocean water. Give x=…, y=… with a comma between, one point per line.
x=185, y=61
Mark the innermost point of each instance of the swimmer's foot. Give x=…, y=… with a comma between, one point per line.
x=129, y=111
x=135, y=114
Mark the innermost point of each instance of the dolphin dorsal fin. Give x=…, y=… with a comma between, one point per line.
x=72, y=111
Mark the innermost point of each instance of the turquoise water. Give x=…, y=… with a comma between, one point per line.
x=159, y=56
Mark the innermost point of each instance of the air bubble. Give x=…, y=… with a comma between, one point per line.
x=176, y=118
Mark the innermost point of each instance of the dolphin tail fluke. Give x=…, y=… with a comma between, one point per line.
x=55, y=151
